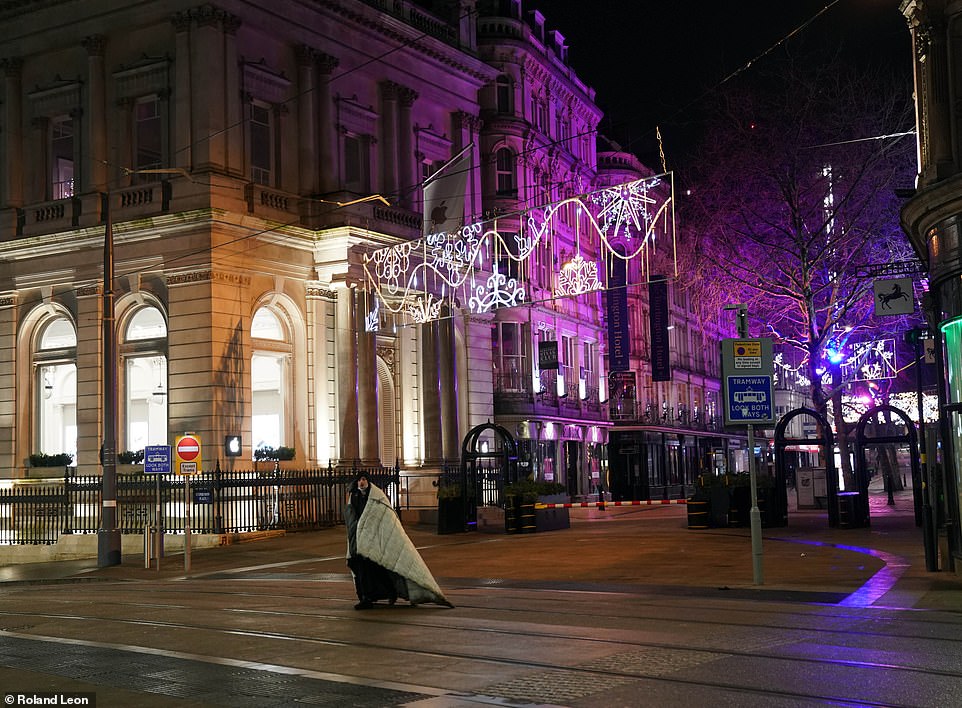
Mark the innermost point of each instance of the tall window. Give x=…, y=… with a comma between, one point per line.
x=262, y=147
x=356, y=163
x=503, y=91
x=147, y=136
x=568, y=382
x=62, y=152
x=509, y=355
x=269, y=379
x=143, y=352
x=505, y=170
x=56, y=386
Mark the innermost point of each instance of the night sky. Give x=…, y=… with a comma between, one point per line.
x=652, y=63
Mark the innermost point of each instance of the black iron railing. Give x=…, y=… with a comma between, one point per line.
x=219, y=502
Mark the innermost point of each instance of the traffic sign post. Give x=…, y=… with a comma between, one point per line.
x=187, y=456
x=157, y=462
x=747, y=373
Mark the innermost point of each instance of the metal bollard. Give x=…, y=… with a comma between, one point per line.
x=148, y=535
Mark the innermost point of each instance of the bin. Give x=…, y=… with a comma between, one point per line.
x=697, y=513
x=847, y=510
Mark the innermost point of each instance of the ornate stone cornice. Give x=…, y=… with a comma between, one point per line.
x=180, y=21
x=88, y=290
x=7, y=301
x=317, y=292
x=407, y=95
x=388, y=355
x=305, y=54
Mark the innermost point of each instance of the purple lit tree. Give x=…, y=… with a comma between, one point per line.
x=793, y=195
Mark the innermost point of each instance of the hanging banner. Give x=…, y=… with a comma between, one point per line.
x=658, y=328
x=547, y=355
x=618, y=341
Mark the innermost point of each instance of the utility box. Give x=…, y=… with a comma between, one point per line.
x=810, y=488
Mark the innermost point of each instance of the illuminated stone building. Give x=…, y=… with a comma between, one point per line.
x=932, y=218
x=236, y=148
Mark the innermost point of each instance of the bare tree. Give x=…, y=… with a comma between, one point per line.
x=793, y=194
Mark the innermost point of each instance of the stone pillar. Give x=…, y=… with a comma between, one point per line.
x=346, y=354
x=9, y=462
x=207, y=86
x=235, y=140
x=90, y=431
x=96, y=114
x=306, y=121
x=12, y=134
x=389, y=130
x=431, y=394
x=408, y=167
x=327, y=144
x=367, y=410
x=40, y=183
x=126, y=140
x=937, y=100
x=182, y=128
x=448, y=383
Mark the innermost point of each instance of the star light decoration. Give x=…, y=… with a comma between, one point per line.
x=415, y=277
x=870, y=361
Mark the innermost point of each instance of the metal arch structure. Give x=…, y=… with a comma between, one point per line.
x=862, y=441
x=827, y=443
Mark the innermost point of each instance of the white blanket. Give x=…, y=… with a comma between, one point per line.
x=382, y=539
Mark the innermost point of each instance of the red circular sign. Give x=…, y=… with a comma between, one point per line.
x=188, y=448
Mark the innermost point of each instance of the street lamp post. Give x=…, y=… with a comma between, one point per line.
x=108, y=535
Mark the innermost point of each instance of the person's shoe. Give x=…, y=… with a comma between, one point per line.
x=364, y=605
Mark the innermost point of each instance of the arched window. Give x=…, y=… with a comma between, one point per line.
x=143, y=352
x=270, y=364
x=54, y=360
x=505, y=170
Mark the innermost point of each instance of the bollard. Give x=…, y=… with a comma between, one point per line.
x=147, y=539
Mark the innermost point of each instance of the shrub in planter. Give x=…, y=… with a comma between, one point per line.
x=273, y=453
x=40, y=459
x=130, y=457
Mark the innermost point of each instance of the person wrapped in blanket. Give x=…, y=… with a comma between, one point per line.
x=383, y=560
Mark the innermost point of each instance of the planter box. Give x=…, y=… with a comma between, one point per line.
x=551, y=519
x=491, y=519
x=451, y=516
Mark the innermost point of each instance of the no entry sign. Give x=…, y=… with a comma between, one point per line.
x=187, y=455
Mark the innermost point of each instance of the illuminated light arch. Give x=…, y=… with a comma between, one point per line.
x=414, y=279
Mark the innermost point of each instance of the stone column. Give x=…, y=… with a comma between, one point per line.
x=408, y=167
x=96, y=114
x=9, y=462
x=182, y=128
x=431, y=394
x=12, y=134
x=40, y=188
x=448, y=382
x=937, y=100
x=207, y=85
x=346, y=354
x=389, y=130
x=327, y=143
x=306, y=121
x=235, y=140
x=90, y=431
x=126, y=139
x=466, y=128
x=367, y=410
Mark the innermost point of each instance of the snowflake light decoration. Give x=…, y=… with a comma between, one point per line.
x=577, y=277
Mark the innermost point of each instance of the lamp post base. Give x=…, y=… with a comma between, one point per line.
x=108, y=548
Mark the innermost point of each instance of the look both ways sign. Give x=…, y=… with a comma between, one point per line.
x=747, y=373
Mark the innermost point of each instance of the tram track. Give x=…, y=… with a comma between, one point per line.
x=533, y=631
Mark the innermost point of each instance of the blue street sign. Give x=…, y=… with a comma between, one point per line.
x=750, y=399
x=157, y=459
